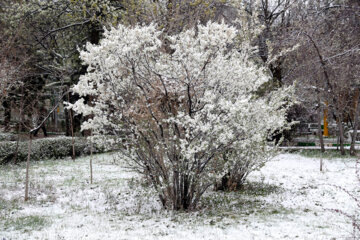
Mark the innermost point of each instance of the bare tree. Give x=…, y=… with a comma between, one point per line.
x=325, y=63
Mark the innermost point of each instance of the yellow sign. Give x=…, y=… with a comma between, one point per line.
x=326, y=128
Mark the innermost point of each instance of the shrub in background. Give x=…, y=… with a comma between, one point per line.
x=7, y=137
x=46, y=148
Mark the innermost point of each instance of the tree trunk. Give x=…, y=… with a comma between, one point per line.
x=19, y=127
x=231, y=183
x=72, y=128
x=7, y=114
x=320, y=134
x=321, y=164
x=67, y=122
x=72, y=135
x=91, y=167
x=356, y=119
x=276, y=70
x=27, y=168
x=341, y=135
x=224, y=184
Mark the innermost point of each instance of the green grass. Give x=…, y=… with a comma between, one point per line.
x=246, y=201
x=25, y=223
x=329, y=154
x=8, y=205
x=259, y=189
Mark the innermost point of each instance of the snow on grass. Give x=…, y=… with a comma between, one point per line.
x=287, y=199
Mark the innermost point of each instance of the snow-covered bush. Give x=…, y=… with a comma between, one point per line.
x=42, y=149
x=178, y=108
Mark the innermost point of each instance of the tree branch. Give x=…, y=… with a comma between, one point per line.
x=32, y=131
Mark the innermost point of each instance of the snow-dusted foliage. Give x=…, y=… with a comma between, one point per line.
x=179, y=108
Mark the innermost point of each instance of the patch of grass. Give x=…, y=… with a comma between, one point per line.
x=7, y=208
x=11, y=172
x=8, y=205
x=70, y=181
x=222, y=209
x=329, y=154
x=246, y=201
x=26, y=223
x=259, y=189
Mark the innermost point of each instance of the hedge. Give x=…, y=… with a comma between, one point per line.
x=7, y=137
x=42, y=149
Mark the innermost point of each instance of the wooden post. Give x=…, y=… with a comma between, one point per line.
x=319, y=130
x=321, y=162
x=91, y=156
x=28, y=168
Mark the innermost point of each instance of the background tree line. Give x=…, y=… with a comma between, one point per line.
x=313, y=43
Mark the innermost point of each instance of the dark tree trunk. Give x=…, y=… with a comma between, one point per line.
x=223, y=185
x=21, y=120
x=276, y=71
x=341, y=135
x=72, y=134
x=95, y=34
x=182, y=197
x=67, y=122
x=356, y=120
x=7, y=114
x=229, y=183
x=43, y=128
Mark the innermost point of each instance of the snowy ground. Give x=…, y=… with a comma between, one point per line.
x=287, y=199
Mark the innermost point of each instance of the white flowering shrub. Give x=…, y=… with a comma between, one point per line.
x=178, y=111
